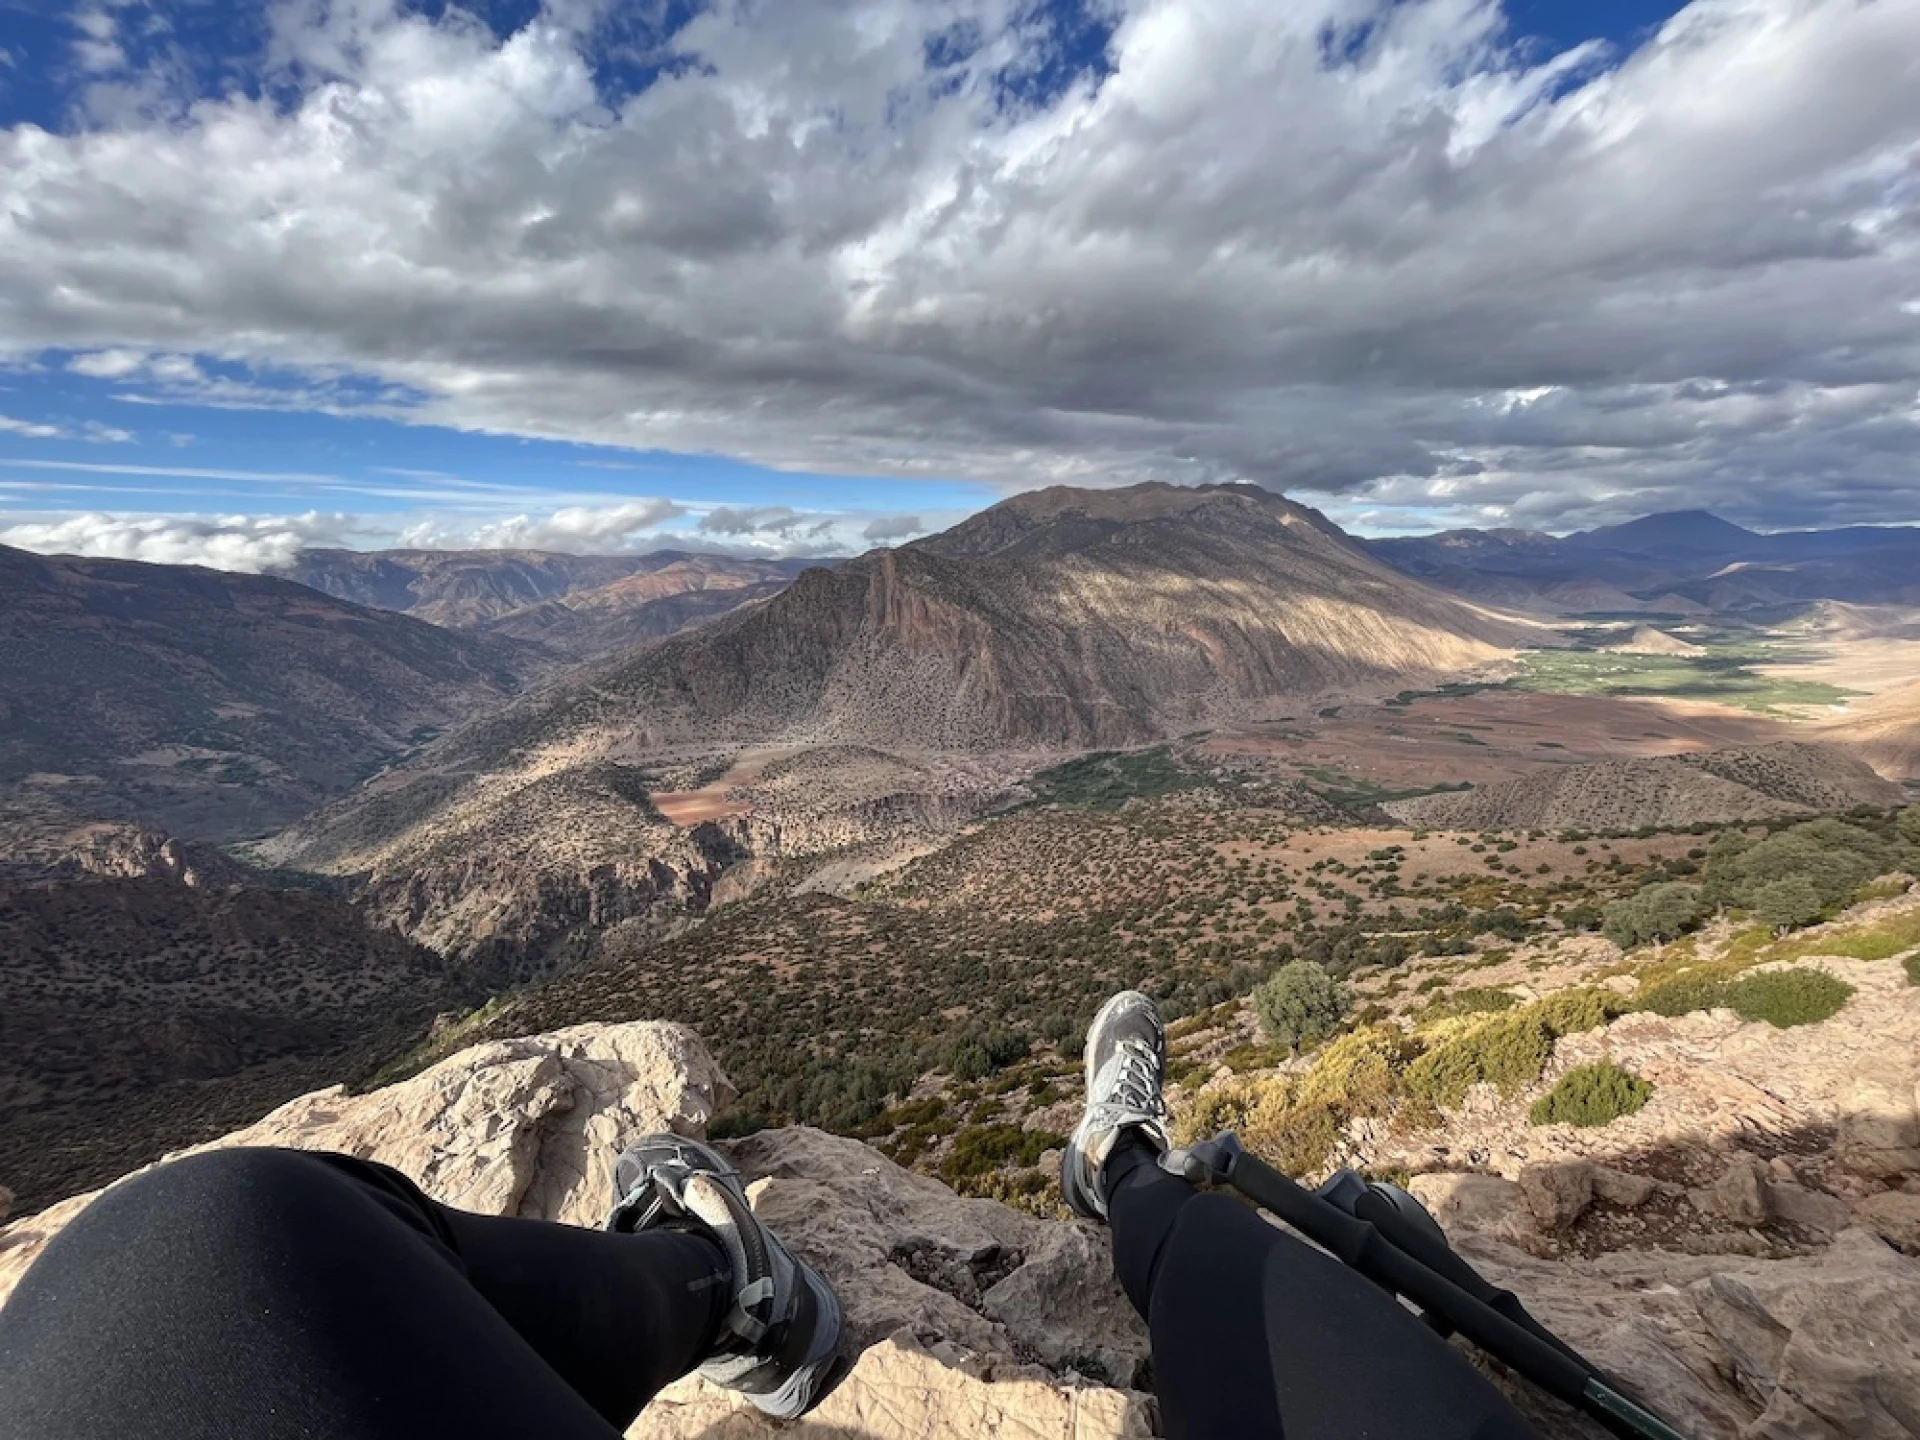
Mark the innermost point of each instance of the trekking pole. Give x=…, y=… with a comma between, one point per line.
x=1396, y=1250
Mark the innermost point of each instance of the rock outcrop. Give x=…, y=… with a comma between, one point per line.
x=977, y=1320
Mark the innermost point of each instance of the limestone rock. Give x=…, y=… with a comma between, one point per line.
x=1829, y=1352
x=903, y=1389
x=1895, y=1216
x=525, y=1127
x=905, y=1251
x=1480, y=1204
x=1824, y=1215
x=1618, y=1187
x=1739, y=1195
x=1557, y=1193
x=1879, y=1130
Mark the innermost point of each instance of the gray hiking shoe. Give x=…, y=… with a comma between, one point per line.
x=1125, y=1059
x=781, y=1342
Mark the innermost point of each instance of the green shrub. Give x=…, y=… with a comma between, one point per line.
x=1581, y=917
x=1476, y=1000
x=1683, y=994
x=1787, y=904
x=1592, y=1095
x=1829, y=856
x=1658, y=912
x=1785, y=998
x=1572, y=1012
x=980, y=1148
x=1359, y=1073
x=1300, y=1005
x=1912, y=966
x=1508, y=1051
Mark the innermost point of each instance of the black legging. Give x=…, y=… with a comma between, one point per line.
x=262, y=1294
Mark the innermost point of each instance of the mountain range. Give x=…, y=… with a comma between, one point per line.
x=1682, y=562
x=1059, y=618
x=217, y=704
x=575, y=607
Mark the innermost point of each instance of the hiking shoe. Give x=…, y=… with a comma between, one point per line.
x=1125, y=1059
x=780, y=1344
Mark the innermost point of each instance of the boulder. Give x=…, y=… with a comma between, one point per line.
x=1831, y=1350
x=1557, y=1192
x=904, y=1251
x=1879, y=1128
x=1739, y=1195
x=1894, y=1216
x=527, y=1127
x=1480, y=1204
x=1618, y=1187
x=1821, y=1214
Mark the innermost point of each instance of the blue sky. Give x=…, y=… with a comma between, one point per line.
x=804, y=278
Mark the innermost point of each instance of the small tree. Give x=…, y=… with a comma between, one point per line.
x=1787, y=904
x=1658, y=912
x=1300, y=1005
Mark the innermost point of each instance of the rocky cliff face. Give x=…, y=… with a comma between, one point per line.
x=978, y=1320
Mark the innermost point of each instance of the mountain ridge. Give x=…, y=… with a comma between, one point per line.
x=212, y=703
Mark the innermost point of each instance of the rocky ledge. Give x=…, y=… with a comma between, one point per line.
x=976, y=1320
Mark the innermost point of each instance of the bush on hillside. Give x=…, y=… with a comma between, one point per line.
x=1300, y=1005
x=1912, y=966
x=1475, y=1000
x=1658, y=912
x=1787, y=904
x=1359, y=1073
x=1907, y=825
x=1509, y=1051
x=1571, y=1012
x=1683, y=994
x=1784, y=998
x=1829, y=857
x=1592, y=1095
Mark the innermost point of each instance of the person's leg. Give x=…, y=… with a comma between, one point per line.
x=270, y=1293
x=1256, y=1333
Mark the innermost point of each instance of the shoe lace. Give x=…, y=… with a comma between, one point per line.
x=1137, y=1085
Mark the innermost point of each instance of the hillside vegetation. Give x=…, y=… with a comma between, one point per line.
x=145, y=1014
x=213, y=704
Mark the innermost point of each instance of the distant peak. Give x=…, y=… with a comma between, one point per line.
x=1674, y=530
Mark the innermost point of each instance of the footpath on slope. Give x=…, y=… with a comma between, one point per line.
x=978, y=1320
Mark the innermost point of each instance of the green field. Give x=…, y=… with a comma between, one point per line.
x=1108, y=779
x=1721, y=677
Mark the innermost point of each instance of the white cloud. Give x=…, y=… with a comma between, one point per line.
x=108, y=364
x=1233, y=257
x=29, y=429
x=232, y=542
x=572, y=528
x=92, y=431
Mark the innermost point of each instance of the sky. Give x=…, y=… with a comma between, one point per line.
x=806, y=276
